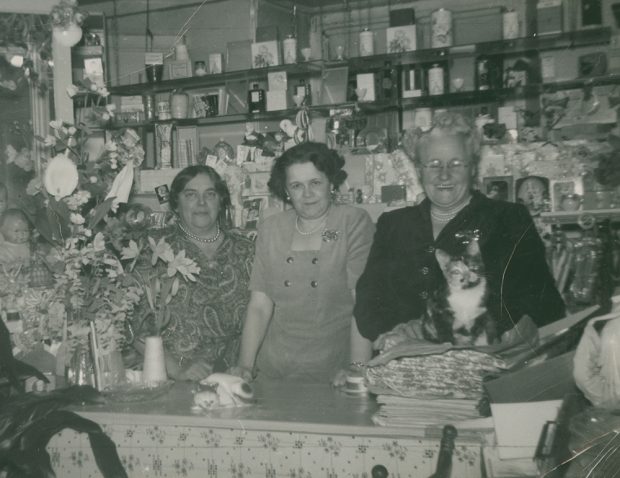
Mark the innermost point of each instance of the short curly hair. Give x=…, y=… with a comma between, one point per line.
x=187, y=174
x=444, y=124
x=326, y=160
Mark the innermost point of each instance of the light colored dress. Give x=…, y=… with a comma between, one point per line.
x=308, y=337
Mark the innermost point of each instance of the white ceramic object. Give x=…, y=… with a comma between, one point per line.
x=154, y=369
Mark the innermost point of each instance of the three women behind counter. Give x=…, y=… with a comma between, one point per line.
x=304, y=287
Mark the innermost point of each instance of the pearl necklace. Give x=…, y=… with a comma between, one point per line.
x=309, y=233
x=204, y=240
x=444, y=217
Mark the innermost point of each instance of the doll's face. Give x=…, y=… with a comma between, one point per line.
x=15, y=230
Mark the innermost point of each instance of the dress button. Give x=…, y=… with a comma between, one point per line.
x=314, y=284
x=425, y=270
x=430, y=249
x=287, y=283
x=289, y=260
x=424, y=294
x=315, y=260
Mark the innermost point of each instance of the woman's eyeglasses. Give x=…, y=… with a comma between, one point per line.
x=437, y=166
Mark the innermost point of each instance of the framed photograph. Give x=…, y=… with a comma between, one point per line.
x=533, y=192
x=252, y=208
x=566, y=194
x=401, y=39
x=499, y=187
x=255, y=184
x=163, y=193
x=265, y=54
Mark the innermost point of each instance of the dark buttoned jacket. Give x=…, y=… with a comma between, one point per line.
x=402, y=271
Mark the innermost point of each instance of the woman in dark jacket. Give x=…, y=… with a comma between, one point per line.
x=402, y=270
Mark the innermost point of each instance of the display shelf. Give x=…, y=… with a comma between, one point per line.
x=556, y=41
x=207, y=81
x=468, y=97
x=317, y=111
x=581, y=217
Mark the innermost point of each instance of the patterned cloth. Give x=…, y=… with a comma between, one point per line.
x=207, y=315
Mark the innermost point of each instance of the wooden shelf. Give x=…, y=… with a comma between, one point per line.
x=580, y=217
x=208, y=81
x=317, y=111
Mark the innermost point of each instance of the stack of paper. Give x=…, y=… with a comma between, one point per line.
x=397, y=411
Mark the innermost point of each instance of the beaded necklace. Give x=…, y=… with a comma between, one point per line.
x=204, y=240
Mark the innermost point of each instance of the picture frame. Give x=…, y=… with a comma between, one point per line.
x=209, y=102
x=265, y=54
x=252, y=208
x=533, y=192
x=560, y=188
x=179, y=69
x=499, y=187
x=401, y=39
x=256, y=184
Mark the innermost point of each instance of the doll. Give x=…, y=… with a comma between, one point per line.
x=15, y=230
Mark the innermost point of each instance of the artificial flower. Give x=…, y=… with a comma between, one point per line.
x=61, y=177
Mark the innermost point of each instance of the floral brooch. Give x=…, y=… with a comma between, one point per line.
x=330, y=235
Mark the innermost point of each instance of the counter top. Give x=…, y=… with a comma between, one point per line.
x=278, y=406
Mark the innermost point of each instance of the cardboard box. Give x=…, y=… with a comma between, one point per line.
x=276, y=100
x=549, y=16
x=477, y=25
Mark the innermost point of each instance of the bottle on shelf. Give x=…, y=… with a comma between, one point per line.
x=256, y=99
x=304, y=90
x=389, y=82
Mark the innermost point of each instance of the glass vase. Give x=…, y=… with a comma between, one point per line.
x=80, y=369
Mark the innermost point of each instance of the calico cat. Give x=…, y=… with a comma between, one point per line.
x=457, y=312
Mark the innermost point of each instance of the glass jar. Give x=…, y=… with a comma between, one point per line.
x=179, y=104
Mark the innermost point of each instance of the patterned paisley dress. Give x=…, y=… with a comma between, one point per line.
x=207, y=315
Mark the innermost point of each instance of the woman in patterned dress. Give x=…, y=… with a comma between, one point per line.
x=207, y=315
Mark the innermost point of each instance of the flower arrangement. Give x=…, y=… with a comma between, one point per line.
x=92, y=97
x=159, y=278
x=66, y=13
x=74, y=200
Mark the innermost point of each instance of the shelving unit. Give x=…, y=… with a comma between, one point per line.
x=578, y=217
x=567, y=40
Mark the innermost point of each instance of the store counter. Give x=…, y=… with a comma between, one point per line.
x=292, y=430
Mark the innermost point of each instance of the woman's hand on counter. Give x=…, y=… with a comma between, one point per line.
x=340, y=379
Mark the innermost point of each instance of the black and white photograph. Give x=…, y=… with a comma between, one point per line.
x=205, y=273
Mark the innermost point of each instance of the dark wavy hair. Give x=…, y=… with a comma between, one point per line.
x=326, y=160
x=186, y=175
